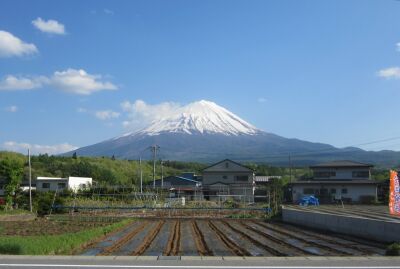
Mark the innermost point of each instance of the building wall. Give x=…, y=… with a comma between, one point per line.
x=75, y=183
x=354, y=191
x=53, y=184
x=384, y=231
x=227, y=177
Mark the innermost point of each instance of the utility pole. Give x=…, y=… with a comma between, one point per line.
x=30, y=180
x=290, y=168
x=154, y=149
x=162, y=174
x=141, y=175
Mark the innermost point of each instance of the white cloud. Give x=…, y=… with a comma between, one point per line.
x=106, y=114
x=38, y=149
x=11, y=45
x=261, y=100
x=398, y=46
x=71, y=80
x=140, y=113
x=50, y=26
x=81, y=110
x=79, y=82
x=391, y=72
x=13, y=83
x=12, y=109
x=108, y=11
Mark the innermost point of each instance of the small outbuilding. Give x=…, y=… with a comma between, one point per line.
x=59, y=184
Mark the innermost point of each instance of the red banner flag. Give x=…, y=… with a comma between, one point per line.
x=394, y=199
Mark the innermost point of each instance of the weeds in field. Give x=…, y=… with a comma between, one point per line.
x=54, y=244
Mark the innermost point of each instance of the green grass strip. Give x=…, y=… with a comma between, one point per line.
x=63, y=244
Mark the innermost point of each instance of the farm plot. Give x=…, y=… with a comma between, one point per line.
x=204, y=237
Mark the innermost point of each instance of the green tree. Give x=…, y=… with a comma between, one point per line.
x=11, y=170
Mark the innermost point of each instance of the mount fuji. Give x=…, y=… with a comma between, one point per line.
x=206, y=132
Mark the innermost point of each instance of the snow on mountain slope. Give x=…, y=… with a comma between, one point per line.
x=200, y=117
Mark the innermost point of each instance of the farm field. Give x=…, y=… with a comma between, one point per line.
x=226, y=237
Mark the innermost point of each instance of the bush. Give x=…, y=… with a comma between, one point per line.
x=393, y=250
x=44, y=200
x=10, y=248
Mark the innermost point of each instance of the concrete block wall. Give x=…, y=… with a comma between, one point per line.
x=379, y=230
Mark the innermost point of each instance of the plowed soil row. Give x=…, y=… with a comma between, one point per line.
x=148, y=239
x=201, y=245
x=174, y=241
x=232, y=246
x=124, y=240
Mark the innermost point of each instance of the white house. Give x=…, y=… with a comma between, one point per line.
x=59, y=184
x=338, y=180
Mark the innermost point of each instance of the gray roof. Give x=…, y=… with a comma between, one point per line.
x=342, y=164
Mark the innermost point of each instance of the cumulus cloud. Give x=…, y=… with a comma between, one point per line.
x=391, y=72
x=38, y=149
x=108, y=11
x=50, y=26
x=71, y=80
x=106, y=114
x=11, y=45
x=79, y=82
x=139, y=113
x=11, y=109
x=13, y=83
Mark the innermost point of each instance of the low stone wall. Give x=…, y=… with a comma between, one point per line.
x=379, y=230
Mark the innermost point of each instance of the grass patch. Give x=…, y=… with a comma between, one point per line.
x=14, y=212
x=62, y=244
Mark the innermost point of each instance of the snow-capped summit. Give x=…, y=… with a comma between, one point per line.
x=201, y=117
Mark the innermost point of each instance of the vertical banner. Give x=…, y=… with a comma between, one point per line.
x=394, y=198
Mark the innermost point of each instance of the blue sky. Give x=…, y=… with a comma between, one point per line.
x=322, y=71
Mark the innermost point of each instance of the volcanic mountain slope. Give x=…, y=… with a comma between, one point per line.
x=203, y=131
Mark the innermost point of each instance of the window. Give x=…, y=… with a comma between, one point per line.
x=226, y=165
x=361, y=174
x=344, y=191
x=45, y=185
x=308, y=191
x=61, y=185
x=325, y=174
x=333, y=191
x=224, y=177
x=242, y=178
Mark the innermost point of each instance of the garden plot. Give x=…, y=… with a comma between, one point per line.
x=181, y=237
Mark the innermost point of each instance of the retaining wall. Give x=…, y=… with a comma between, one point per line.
x=379, y=230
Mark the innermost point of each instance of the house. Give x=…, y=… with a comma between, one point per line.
x=228, y=179
x=185, y=185
x=60, y=184
x=348, y=181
